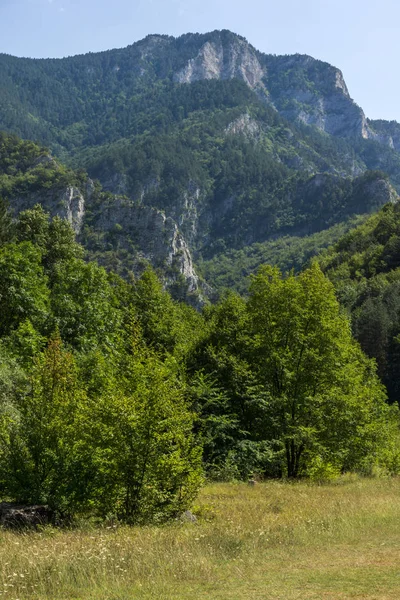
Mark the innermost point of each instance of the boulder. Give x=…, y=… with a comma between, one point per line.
x=17, y=516
x=188, y=517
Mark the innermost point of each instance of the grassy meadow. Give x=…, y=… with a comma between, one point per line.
x=275, y=540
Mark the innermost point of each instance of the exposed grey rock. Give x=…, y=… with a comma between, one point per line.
x=188, y=517
x=316, y=94
x=90, y=189
x=143, y=230
x=72, y=208
x=155, y=235
x=244, y=125
x=385, y=132
x=149, y=44
x=15, y=516
x=214, y=61
x=302, y=88
x=67, y=203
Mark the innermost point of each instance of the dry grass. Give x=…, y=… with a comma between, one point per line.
x=273, y=541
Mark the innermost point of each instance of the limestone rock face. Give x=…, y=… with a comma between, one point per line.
x=299, y=87
x=151, y=44
x=143, y=230
x=72, y=208
x=218, y=61
x=156, y=236
x=244, y=125
x=385, y=132
x=67, y=203
x=302, y=88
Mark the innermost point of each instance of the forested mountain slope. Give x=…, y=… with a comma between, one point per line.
x=364, y=266
x=29, y=176
x=202, y=138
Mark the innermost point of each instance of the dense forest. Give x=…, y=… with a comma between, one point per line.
x=192, y=285
x=232, y=162
x=117, y=400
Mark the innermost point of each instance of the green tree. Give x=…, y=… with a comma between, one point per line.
x=6, y=223
x=84, y=305
x=38, y=459
x=23, y=287
x=228, y=397
x=324, y=399
x=136, y=441
x=33, y=226
x=168, y=327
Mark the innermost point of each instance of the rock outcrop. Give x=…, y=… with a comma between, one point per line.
x=302, y=88
x=216, y=60
x=385, y=132
x=18, y=516
x=67, y=203
x=142, y=230
x=72, y=208
x=244, y=125
x=156, y=237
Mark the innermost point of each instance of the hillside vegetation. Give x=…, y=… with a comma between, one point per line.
x=364, y=267
x=124, y=234
x=116, y=400
x=236, y=147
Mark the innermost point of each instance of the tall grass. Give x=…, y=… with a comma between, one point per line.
x=274, y=540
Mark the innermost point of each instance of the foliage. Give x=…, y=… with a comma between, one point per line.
x=364, y=267
x=138, y=449
x=290, y=387
x=38, y=464
x=23, y=287
x=231, y=269
x=96, y=422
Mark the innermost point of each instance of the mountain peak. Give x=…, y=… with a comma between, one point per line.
x=219, y=60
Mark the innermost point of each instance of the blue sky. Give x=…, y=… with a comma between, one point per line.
x=360, y=37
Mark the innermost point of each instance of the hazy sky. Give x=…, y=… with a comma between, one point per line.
x=362, y=38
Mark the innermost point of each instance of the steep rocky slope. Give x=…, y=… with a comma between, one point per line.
x=139, y=234
x=202, y=145
x=44, y=98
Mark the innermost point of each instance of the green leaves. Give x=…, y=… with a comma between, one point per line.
x=39, y=451
x=140, y=447
x=319, y=382
x=23, y=287
x=293, y=380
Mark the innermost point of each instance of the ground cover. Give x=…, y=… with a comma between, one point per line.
x=272, y=541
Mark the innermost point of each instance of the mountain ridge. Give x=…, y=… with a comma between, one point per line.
x=204, y=56
x=225, y=145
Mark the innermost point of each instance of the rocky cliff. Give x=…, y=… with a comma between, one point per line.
x=115, y=222
x=299, y=87
x=150, y=233
x=216, y=60
x=202, y=145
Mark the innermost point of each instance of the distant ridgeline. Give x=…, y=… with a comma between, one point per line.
x=203, y=146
